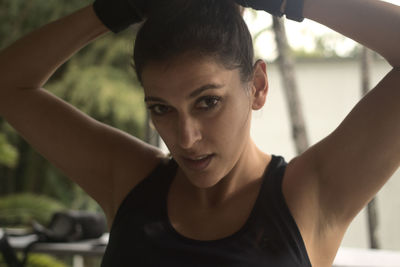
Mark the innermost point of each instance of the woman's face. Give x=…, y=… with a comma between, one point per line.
x=202, y=112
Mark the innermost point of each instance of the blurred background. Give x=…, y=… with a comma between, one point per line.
x=316, y=76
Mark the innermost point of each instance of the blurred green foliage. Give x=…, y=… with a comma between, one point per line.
x=8, y=153
x=39, y=260
x=98, y=80
x=21, y=209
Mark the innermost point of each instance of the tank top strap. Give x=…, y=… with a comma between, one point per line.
x=157, y=181
x=274, y=201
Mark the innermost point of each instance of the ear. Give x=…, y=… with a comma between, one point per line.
x=259, y=84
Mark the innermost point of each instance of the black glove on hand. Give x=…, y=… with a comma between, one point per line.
x=119, y=14
x=293, y=8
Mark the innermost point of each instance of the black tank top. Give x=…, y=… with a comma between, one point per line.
x=142, y=234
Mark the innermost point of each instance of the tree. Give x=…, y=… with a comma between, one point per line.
x=287, y=70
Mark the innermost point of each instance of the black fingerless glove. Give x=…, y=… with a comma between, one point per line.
x=293, y=8
x=117, y=15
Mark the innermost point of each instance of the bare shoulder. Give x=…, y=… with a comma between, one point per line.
x=301, y=192
x=135, y=160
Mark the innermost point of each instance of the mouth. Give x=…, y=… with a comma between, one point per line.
x=198, y=163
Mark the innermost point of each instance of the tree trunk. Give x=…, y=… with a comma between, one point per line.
x=286, y=67
x=366, y=58
x=373, y=224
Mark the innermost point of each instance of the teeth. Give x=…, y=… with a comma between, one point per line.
x=201, y=157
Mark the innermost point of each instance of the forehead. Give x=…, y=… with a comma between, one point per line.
x=185, y=73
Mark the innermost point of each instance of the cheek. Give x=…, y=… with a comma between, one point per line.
x=231, y=125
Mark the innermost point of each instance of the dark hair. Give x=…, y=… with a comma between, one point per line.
x=208, y=27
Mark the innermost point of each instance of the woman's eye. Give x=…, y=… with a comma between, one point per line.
x=208, y=102
x=159, y=109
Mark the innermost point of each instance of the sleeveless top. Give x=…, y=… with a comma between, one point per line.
x=142, y=234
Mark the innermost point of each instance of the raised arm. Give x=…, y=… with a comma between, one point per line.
x=331, y=182
x=364, y=151
x=372, y=23
x=103, y=160
x=30, y=61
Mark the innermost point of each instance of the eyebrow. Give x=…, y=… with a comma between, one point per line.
x=193, y=94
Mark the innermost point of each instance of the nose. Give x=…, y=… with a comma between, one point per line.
x=188, y=132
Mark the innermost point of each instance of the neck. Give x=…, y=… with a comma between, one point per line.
x=248, y=170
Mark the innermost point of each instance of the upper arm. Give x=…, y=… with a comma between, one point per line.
x=355, y=161
x=87, y=151
x=327, y=185
x=333, y=180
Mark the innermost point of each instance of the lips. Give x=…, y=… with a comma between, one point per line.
x=199, y=163
x=199, y=157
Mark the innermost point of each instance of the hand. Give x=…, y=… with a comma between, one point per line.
x=274, y=7
x=120, y=14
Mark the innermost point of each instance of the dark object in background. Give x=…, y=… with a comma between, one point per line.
x=72, y=226
x=68, y=226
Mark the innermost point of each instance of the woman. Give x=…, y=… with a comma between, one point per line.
x=219, y=201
